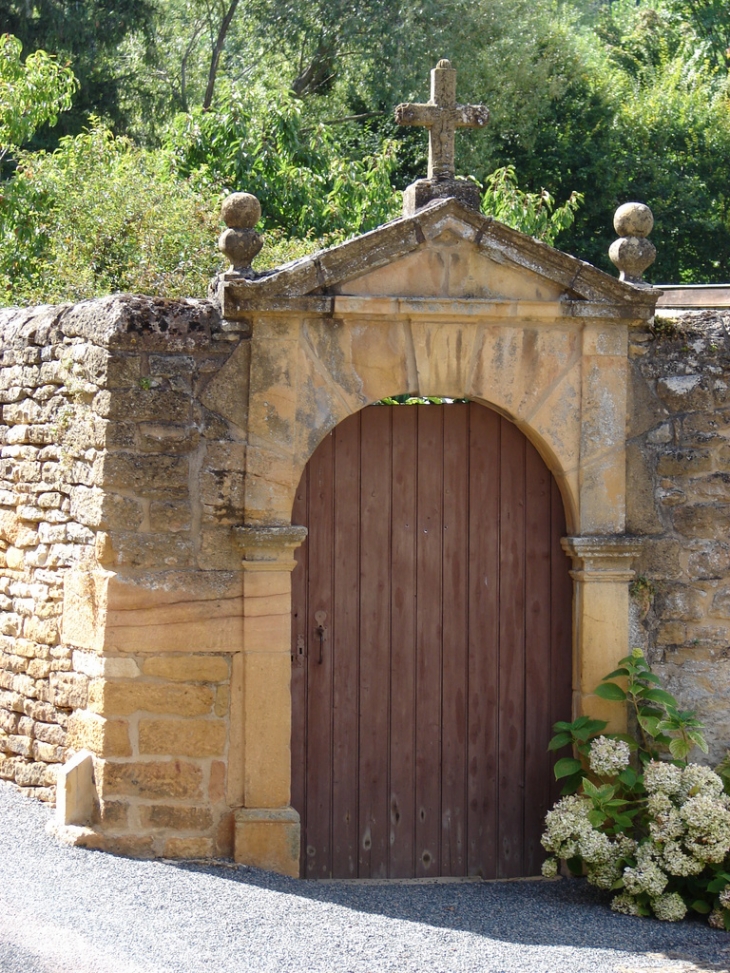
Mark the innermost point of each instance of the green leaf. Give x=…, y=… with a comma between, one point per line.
x=660, y=696
x=717, y=884
x=623, y=821
x=726, y=919
x=609, y=690
x=596, y=817
x=596, y=726
x=575, y=865
x=700, y=906
x=566, y=766
x=590, y=789
x=617, y=672
x=560, y=740
x=572, y=784
x=697, y=738
x=650, y=724
x=679, y=748
x=628, y=777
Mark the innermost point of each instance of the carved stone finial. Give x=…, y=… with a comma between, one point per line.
x=632, y=252
x=240, y=242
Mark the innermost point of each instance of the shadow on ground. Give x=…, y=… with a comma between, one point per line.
x=565, y=912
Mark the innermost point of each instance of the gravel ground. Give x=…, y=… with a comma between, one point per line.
x=67, y=910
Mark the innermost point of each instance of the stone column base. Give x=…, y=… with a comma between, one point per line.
x=268, y=838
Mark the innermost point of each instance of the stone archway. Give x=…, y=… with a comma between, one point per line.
x=443, y=303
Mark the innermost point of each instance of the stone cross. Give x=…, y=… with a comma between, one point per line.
x=442, y=116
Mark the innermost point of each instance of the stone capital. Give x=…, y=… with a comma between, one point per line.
x=269, y=548
x=602, y=558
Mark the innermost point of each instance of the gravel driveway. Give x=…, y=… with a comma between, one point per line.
x=67, y=910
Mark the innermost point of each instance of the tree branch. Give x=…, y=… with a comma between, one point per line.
x=220, y=43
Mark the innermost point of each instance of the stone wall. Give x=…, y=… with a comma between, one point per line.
x=115, y=474
x=122, y=588
x=678, y=498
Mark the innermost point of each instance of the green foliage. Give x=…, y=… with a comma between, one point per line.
x=32, y=92
x=638, y=818
x=304, y=177
x=101, y=215
x=88, y=35
x=532, y=213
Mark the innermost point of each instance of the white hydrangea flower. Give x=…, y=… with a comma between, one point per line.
x=716, y=919
x=700, y=781
x=708, y=828
x=669, y=907
x=667, y=824
x=725, y=897
x=647, y=878
x=660, y=777
x=625, y=904
x=565, y=825
x=625, y=845
x=595, y=847
x=603, y=875
x=676, y=862
x=609, y=757
x=550, y=867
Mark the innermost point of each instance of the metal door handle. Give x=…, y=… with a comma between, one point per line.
x=321, y=631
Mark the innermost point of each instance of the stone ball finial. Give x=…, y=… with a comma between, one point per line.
x=632, y=252
x=240, y=242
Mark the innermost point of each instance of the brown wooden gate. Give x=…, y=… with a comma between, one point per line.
x=431, y=646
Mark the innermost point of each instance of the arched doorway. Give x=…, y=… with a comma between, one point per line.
x=431, y=646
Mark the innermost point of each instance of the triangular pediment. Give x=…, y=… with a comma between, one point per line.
x=444, y=251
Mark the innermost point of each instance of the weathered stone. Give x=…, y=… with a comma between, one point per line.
x=187, y=668
x=121, y=698
x=186, y=738
x=157, y=780
x=175, y=817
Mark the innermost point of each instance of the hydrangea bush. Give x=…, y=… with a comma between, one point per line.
x=636, y=817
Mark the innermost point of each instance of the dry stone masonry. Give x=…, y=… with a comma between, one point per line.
x=678, y=502
x=112, y=467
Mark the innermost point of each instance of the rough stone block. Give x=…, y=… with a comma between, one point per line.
x=268, y=838
x=175, y=817
x=188, y=848
x=187, y=668
x=185, y=738
x=104, y=737
x=157, y=781
x=121, y=698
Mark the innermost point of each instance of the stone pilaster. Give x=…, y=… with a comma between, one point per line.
x=602, y=572
x=267, y=828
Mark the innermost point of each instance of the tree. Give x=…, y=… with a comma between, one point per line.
x=32, y=93
x=88, y=35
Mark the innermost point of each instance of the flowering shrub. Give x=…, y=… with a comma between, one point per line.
x=639, y=819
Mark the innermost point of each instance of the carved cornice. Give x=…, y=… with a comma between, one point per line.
x=269, y=547
x=604, y=558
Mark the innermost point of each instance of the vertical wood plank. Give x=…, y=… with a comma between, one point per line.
x=455, y=651
x=428, y=639
x=538, y=541
x=511, y=652
x=345, y=648
x=561, y=625
x=403, y=644
x=484, y=587
x=299, y=582
x=318, y=851
x=375, y=586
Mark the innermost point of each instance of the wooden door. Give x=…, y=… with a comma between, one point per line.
x=431, y=646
